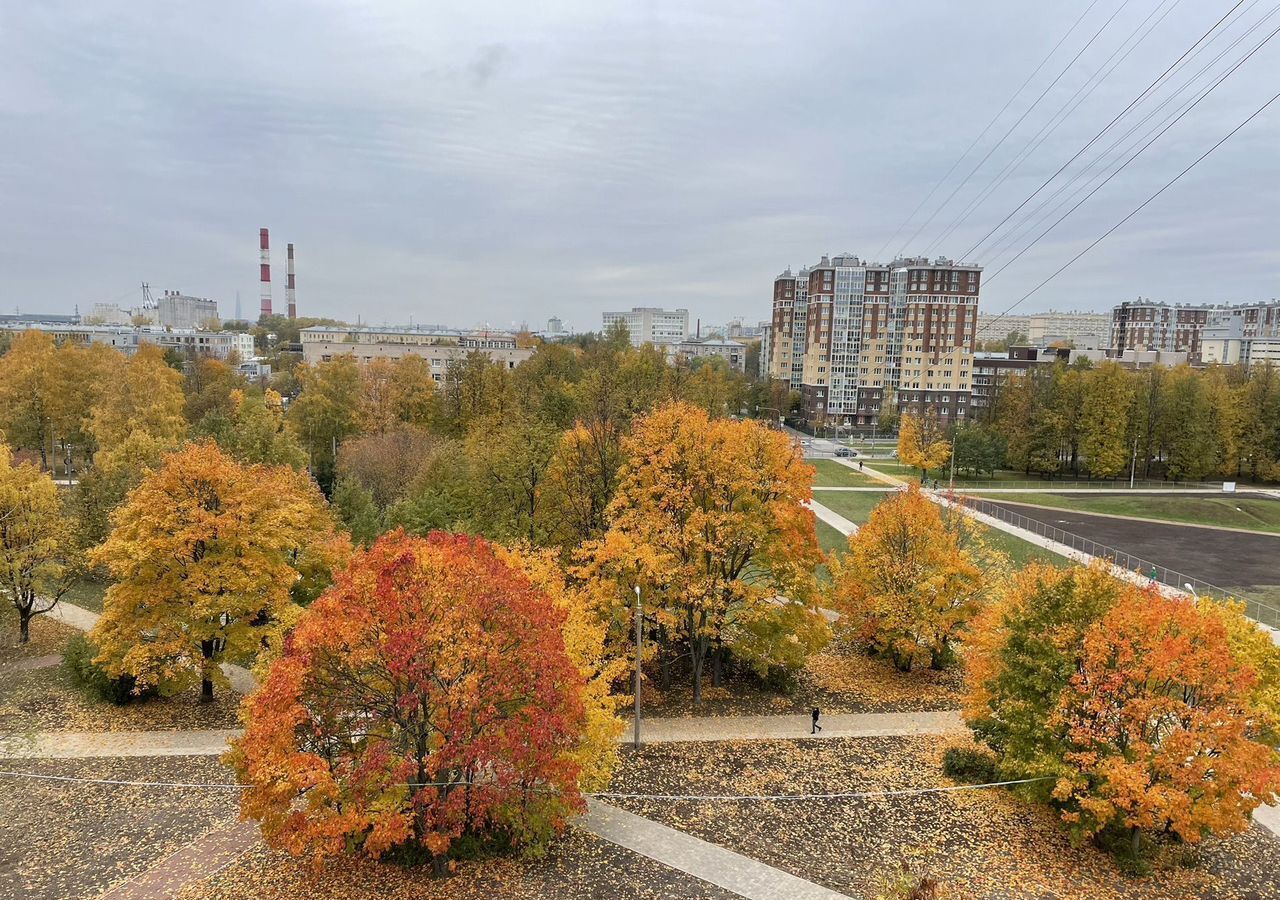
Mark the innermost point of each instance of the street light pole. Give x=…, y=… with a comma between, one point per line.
x=1133, y=465
x=639, y=640
x=953, y=460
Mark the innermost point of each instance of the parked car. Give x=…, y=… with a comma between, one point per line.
x=846, y=451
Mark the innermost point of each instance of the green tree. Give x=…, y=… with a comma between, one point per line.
x=507, y=461
x=326, y=412
x=1108, y=397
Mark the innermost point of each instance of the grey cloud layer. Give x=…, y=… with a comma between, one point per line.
x=462, y=162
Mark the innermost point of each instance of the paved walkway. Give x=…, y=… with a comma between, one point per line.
x=88, y=744
x=31, y=662
x=740, y=728
x=732, y=871
x=208, y=854
x=868, y=470
x=240, y=678
x=832, y=518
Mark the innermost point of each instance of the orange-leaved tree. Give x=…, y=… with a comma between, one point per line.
x=921, y=444
x=426, y=695
x=1160, y=727
x=206, y=555
x=585, y=632
x=38, y=554
x=709, y=518
x=909, y=584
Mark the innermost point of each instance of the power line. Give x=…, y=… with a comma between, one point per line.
x=1147, y=90
x=1225, y=75
x=1072, y=103
x=1034, y=219
x=1015, y=125
x=1257, y=112
x=984, y=131
x=603, y=795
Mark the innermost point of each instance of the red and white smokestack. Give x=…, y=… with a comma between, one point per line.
x=264, y=243
x=289, y=292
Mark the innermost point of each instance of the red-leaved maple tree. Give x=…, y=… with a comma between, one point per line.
x=426, y=695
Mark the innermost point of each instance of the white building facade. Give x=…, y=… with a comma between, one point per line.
x=652, y=325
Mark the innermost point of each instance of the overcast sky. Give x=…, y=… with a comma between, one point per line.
x=472, y=162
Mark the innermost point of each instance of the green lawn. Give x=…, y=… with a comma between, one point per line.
x=87, y=593
x=833, y=474
x=829, y=539
x=855, y=506
x=1020, y=552
x=1253, y=513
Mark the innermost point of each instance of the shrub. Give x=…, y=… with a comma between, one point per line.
x=77, y=661
x=969, y=765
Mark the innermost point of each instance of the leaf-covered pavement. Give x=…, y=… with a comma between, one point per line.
x=981, y=844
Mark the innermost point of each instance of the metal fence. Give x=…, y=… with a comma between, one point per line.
x=1058, y=484
x=1256, y=610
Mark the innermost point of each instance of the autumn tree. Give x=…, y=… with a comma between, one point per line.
x=426, y=696
x=387, y=463
x=254, y=431
x=507, y=462
x=907, y=586
x=394, y=393
x=140, y=415
x=326, y=411
x=38, y=556
x=709, y=517
x=1108, y=395
x=1021, y=652
x=921, y=444
x=26, y=414
x=1160, y=733
x=581, y=477
x=205, y=555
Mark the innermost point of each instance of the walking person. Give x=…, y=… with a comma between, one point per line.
x=816, y=727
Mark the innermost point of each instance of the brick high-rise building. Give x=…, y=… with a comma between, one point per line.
x=863, y=330
x=1148, y=325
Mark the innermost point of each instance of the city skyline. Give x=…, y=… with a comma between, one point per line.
x=587, y=160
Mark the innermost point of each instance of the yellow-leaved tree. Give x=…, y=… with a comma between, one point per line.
x=139, y=415
x=921, y=444
x=910, y=581
x=37, y=548
x=584, y=631
x=206, y=555
x=709, y=519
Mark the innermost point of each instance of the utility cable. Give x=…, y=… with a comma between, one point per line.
x=984, y=131
x=1132, y=103
x=1072, y=103
x=1257, y=112
x=1014, y=126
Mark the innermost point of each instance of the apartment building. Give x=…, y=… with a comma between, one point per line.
x=652, y=325
x=1148, y=325
x=870, y=329
x=732, y=352
x=1248, y=334
x=1046, y=328
x=787, y=327
x=321, y=343
x=127, y=338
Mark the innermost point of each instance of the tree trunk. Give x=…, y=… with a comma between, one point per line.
x=206, y=680
x=24, y=625
x=717, y=666
x=1135, y=842
x=439, y=865
x=698, y=655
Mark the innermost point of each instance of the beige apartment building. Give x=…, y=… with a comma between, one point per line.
x=321, y=343
x=859, y=331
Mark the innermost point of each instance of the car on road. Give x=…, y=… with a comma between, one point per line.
x=846, y=451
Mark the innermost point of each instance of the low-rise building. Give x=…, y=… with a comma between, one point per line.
x=651, y=325
x=127, y=338
x=732, y=352
x=322, y=343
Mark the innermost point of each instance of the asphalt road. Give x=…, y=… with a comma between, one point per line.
x=1229, y=559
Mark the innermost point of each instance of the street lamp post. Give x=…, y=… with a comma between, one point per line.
x=953, y=460
x=1188, y=586
x=639, y=640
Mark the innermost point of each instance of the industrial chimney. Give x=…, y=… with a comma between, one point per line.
x=289, y=294
x=264, y=242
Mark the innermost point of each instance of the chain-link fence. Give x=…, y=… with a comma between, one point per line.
x=1255, y=609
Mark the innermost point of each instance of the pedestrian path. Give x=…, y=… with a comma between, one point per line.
x=832, y=518
x=31, y=662
x=204, y=857
x=90, y=744
x=850, y=725
x=869, y=470
x=732, y=871
x=240, y=678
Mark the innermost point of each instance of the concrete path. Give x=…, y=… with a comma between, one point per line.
x=207, y=855
x=88, y=744
x=732, y=871
x=31, y=662
x=741, y=728
x=832, y=518
x=240, y=678
x=873, y=473
x=213, y=741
